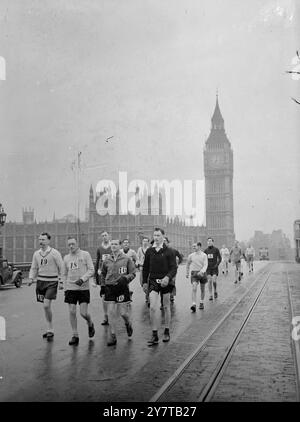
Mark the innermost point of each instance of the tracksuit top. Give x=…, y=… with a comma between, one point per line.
x=115, y=267
x=131, y=254
x=46, y=265
x=213, y=256
x=197, y=261
x=76, y=266
x=236, y=254
x=102, y=253
x=158, y=264
x=224, y=253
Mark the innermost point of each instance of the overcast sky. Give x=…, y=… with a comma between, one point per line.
x=146, y=73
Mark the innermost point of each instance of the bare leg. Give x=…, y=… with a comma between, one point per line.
x=105, y=308
x=48, y=313
x=154, y=303
x=167, y=309
x=194, y=292
x=214, y=279
x=210, y=284
x=84, y=313
x=125, y=312
x=202, y=287
x=112, y=315
x=73, y=319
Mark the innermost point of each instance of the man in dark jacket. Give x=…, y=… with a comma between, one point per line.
x=159, y=271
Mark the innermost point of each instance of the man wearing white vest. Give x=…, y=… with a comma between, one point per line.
x=78, y=268
x=46, y=268
x=197, y=263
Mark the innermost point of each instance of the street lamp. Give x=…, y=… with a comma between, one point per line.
x=2, y=222
x=2, y=216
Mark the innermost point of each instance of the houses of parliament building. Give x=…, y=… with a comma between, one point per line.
x=20, y=240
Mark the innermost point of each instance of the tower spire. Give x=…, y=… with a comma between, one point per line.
x=217, y=120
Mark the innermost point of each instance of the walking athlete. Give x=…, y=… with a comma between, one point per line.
x=140, y=261
x=225, y=259
x=46, y=268
x=214, y=259
x=197, y=263
x=103, y=252
x=117, y=272
x=250, y=254
x=179, y=259
x=158, y=272
x=236, y=255
x=78, y=268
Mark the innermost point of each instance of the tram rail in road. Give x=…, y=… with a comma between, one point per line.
x=210, y=386
x=295, y=343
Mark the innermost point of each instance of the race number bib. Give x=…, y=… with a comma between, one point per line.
x=123, y=270
x=210, y=256
x=44, y=261
x=105, y=256
x=74, y=265
x=120, y=298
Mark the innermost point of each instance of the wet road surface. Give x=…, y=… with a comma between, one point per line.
x=32, y=369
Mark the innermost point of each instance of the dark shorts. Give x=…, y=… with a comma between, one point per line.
x=74, y=296
x=212, y=271
x=113, y=294
x=197, y=278
x=237, y=265
x=250, y=258
x=153, y=285
x=46, y=290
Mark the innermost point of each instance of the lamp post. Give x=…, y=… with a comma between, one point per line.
x=2, y=222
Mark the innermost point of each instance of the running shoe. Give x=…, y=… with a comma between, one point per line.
x=201, y=306
x=193, y=308
x=153, y=342
x=104, y=322
x=166, y=337
x=216, y=294
x=129, y=329
x=210, y=298
x=91, y=330
x=48, y=335
x=112, y=341
x=74, y=341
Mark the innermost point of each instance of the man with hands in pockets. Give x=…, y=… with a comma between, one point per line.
x=159, y=271
x=118, y=270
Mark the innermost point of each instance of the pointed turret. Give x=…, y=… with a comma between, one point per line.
x=217, y=137
x=217, y=121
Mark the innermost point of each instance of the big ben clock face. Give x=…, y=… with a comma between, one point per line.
x=216, y=160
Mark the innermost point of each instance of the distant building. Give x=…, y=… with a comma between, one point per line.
x=21, y=239
x=277, y=242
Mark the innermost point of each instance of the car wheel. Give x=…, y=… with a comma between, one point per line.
x=18, y=280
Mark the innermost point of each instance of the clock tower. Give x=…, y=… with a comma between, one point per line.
x=218, y=173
